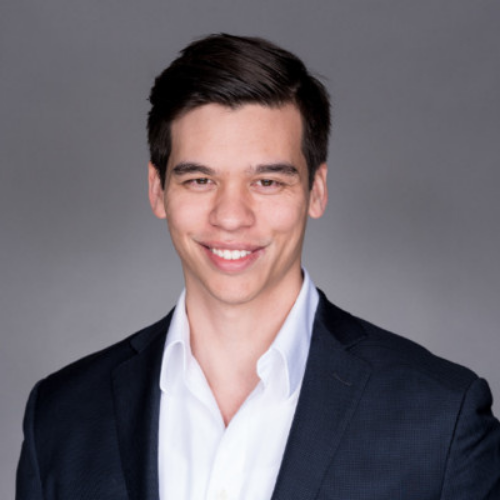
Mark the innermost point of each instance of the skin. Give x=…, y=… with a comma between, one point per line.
x=237, y=185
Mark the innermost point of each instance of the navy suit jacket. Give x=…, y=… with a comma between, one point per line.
x=378, y=418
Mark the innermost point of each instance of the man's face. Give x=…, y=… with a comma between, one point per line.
x=236, y=200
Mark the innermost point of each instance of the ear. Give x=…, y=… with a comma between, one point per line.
x=318, y=197
x=156, y=192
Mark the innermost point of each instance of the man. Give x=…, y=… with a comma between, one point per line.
x=255, y=386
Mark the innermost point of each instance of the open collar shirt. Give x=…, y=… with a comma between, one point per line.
x=199, y=458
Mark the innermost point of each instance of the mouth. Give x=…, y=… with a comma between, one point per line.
x=232, y=256
x=227, y=254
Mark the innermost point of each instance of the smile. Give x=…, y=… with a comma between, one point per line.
x=230, y=254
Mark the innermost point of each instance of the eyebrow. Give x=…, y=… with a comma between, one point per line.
x=277, y=168
x=268, y=168
x=191, y=168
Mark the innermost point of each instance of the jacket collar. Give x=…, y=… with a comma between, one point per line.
x=333, y=384
x=136, y=393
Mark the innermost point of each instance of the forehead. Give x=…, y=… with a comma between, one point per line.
x=250, y=134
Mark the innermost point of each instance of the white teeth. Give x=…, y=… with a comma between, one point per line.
x=230, y=254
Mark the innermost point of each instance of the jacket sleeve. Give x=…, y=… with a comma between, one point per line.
x=28, y=483
x=473, y=467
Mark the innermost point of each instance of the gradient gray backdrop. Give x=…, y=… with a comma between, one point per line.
x=411, y=237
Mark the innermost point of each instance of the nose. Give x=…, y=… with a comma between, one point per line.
x=232, y=209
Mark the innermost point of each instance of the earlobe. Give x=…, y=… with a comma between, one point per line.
x=319, y=193
x=156, y=193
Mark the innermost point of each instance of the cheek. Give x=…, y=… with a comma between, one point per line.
x=286, y=218
x=182, y=215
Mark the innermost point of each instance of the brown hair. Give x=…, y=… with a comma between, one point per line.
x=233, y=71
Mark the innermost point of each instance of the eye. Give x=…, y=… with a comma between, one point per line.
x=268, y=185
x=267, y=182
x=200, y=183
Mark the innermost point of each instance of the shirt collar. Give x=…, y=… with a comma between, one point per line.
x=283, y=363
x=177, y=353
x=290, y=348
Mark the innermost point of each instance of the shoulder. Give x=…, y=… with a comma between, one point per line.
x=413, y=411
x=385, y=350
x=91, y=373
x=390, y=355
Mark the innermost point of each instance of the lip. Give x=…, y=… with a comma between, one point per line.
x=230, y=245
x=232, y=266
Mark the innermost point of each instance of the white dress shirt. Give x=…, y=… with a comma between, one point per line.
x=201, y=459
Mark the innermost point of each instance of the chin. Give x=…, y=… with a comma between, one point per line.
x=234, y=294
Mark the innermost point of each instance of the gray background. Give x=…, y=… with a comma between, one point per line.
x=410, y=240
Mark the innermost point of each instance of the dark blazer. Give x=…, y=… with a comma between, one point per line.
x=378, y=418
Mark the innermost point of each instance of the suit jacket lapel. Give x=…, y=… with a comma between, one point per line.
x=136, y=394
x=333, y=384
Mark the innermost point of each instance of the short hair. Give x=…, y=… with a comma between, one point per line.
x=233, y=71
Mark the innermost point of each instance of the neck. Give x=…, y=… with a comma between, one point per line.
x=252, y=324
x=228, y=339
